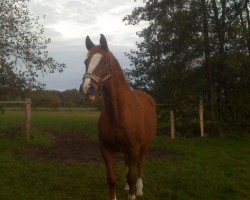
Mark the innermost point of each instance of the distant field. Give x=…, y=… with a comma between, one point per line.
x=19, y=108
x=205, y=169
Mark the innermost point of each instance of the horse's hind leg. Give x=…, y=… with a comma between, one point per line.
x=140, y=165
x=108, y=157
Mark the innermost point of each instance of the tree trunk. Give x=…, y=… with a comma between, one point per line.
x=220, y=25
x=248, y=27
x=208, y=67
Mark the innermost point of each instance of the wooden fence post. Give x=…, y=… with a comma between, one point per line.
x=172, y=124
x=201, y=115
x=27, y=118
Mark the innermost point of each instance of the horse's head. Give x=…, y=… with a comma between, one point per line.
x=97, y=68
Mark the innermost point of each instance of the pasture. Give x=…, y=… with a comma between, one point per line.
x=51, y=168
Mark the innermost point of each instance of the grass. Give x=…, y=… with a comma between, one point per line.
x=207, y=169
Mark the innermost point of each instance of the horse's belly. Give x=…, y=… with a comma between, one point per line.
x=116, y=143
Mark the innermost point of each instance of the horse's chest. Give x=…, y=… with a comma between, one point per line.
x=116, y=138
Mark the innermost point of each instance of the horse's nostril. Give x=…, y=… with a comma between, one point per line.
x=90, y=89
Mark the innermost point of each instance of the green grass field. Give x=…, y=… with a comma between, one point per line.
x=207, y=169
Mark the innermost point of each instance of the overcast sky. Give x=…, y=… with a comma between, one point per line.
x=68, y=22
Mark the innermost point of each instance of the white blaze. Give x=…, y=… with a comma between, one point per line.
x=92, y=65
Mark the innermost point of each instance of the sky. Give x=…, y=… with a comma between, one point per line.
x=68, y=22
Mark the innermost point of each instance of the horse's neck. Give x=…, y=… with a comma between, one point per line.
x=115, y=96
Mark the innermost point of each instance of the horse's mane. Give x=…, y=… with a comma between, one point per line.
x=116, y=68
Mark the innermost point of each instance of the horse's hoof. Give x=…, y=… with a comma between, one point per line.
x=139, y=193
x=131, y=197
x=126, y=188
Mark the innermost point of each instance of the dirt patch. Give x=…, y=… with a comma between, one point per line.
x=77, y=147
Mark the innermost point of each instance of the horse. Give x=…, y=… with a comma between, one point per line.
x=127, y=122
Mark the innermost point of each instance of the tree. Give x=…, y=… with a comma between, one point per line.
x=54, y=101
x=187, y=52
x=9, y=80
x=23, y=54
x=171, y=46
x=71, y=98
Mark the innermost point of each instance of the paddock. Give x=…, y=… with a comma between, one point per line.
x=26, y=107
x=187, y=168
x=27, y=114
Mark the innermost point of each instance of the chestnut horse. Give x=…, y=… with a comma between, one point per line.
x=127, y=122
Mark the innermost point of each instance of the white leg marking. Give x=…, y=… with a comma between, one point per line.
x=139, y=187
x=115, y=198
x=131, y=197
x=92, y=65
x=126, y=188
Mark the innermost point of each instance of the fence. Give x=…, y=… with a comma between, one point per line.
x=27, y=111
x=172, y=120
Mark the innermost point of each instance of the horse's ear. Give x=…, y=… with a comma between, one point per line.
x=89, y=43
x=103, y=43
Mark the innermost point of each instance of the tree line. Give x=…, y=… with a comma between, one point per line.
x=195, y=49
x=53, y=99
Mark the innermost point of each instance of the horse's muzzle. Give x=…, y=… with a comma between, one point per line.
x=89, y=92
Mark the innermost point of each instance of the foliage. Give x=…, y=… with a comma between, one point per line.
x=194, y=49
x=53, y=98
x=23, y=48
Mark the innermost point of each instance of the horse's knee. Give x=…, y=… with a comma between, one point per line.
x=130, y=177
x=111, y=181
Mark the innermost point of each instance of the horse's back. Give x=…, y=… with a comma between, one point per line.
x=145, y=98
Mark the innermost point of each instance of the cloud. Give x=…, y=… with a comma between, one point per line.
x=73, y=53
x=68, y=22
x=73, y=18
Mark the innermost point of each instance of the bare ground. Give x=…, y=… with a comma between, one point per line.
x=77, y=147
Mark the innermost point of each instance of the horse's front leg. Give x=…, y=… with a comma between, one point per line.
x=108, y=157
x=132, y=165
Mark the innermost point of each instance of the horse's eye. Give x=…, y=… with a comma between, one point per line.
x=103, y=62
